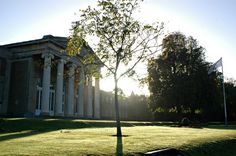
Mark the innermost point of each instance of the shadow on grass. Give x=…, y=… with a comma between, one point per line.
x=222, y=127
x=119, y=144
x=10, y=136
x=12, y=128
x=119, y=147
x=218, y=148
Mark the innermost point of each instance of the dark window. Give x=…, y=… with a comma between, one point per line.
x=2, y=78
x=2, y=67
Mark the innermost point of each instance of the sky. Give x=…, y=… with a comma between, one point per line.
x=211, y=22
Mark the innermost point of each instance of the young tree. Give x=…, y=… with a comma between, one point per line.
x=121, y=40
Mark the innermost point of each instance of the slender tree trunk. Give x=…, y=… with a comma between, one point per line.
x=118, y=126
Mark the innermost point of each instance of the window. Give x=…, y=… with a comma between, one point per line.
x=2, y=78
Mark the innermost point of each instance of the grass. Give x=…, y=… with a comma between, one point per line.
x=20, y=136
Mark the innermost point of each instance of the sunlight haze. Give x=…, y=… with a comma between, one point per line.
x=211, y=22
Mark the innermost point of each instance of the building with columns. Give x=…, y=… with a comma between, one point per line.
x=39, y=78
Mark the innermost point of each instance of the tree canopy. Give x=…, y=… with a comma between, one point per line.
x=179, y=81
x=230, y=92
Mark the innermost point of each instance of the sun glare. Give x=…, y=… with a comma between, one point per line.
x=128, y=85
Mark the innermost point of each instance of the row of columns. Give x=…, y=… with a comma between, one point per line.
x=69, y=107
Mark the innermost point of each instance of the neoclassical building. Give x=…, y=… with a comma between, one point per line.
x=38, y=77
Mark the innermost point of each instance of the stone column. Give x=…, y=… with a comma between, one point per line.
x=90, y=98
x=46, y=83
x=80, y=102
x=70, y=99
x=97, y=99
x=59, y=87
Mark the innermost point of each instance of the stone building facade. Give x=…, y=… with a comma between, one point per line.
x=38, y=78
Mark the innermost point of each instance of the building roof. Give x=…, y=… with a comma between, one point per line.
x=59, y=41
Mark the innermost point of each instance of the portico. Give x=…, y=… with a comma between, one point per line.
x=56, y=82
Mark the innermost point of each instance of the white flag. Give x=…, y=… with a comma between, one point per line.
x=215, y=66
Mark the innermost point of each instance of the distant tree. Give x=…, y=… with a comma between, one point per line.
x=122, y=41
x=178, y=78
x=230, y=89
x=138, y=107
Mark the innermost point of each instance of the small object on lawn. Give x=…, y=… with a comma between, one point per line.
x=166, y=152
x=185, y=122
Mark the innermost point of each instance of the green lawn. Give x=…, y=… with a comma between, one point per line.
x=89, y=137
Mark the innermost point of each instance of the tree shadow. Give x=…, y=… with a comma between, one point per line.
x=16, y=135
x=220, y=147
x=119, y=147
x=13, y=128
x=222, y=127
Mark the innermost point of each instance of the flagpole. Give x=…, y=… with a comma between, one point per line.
x=223, y=84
